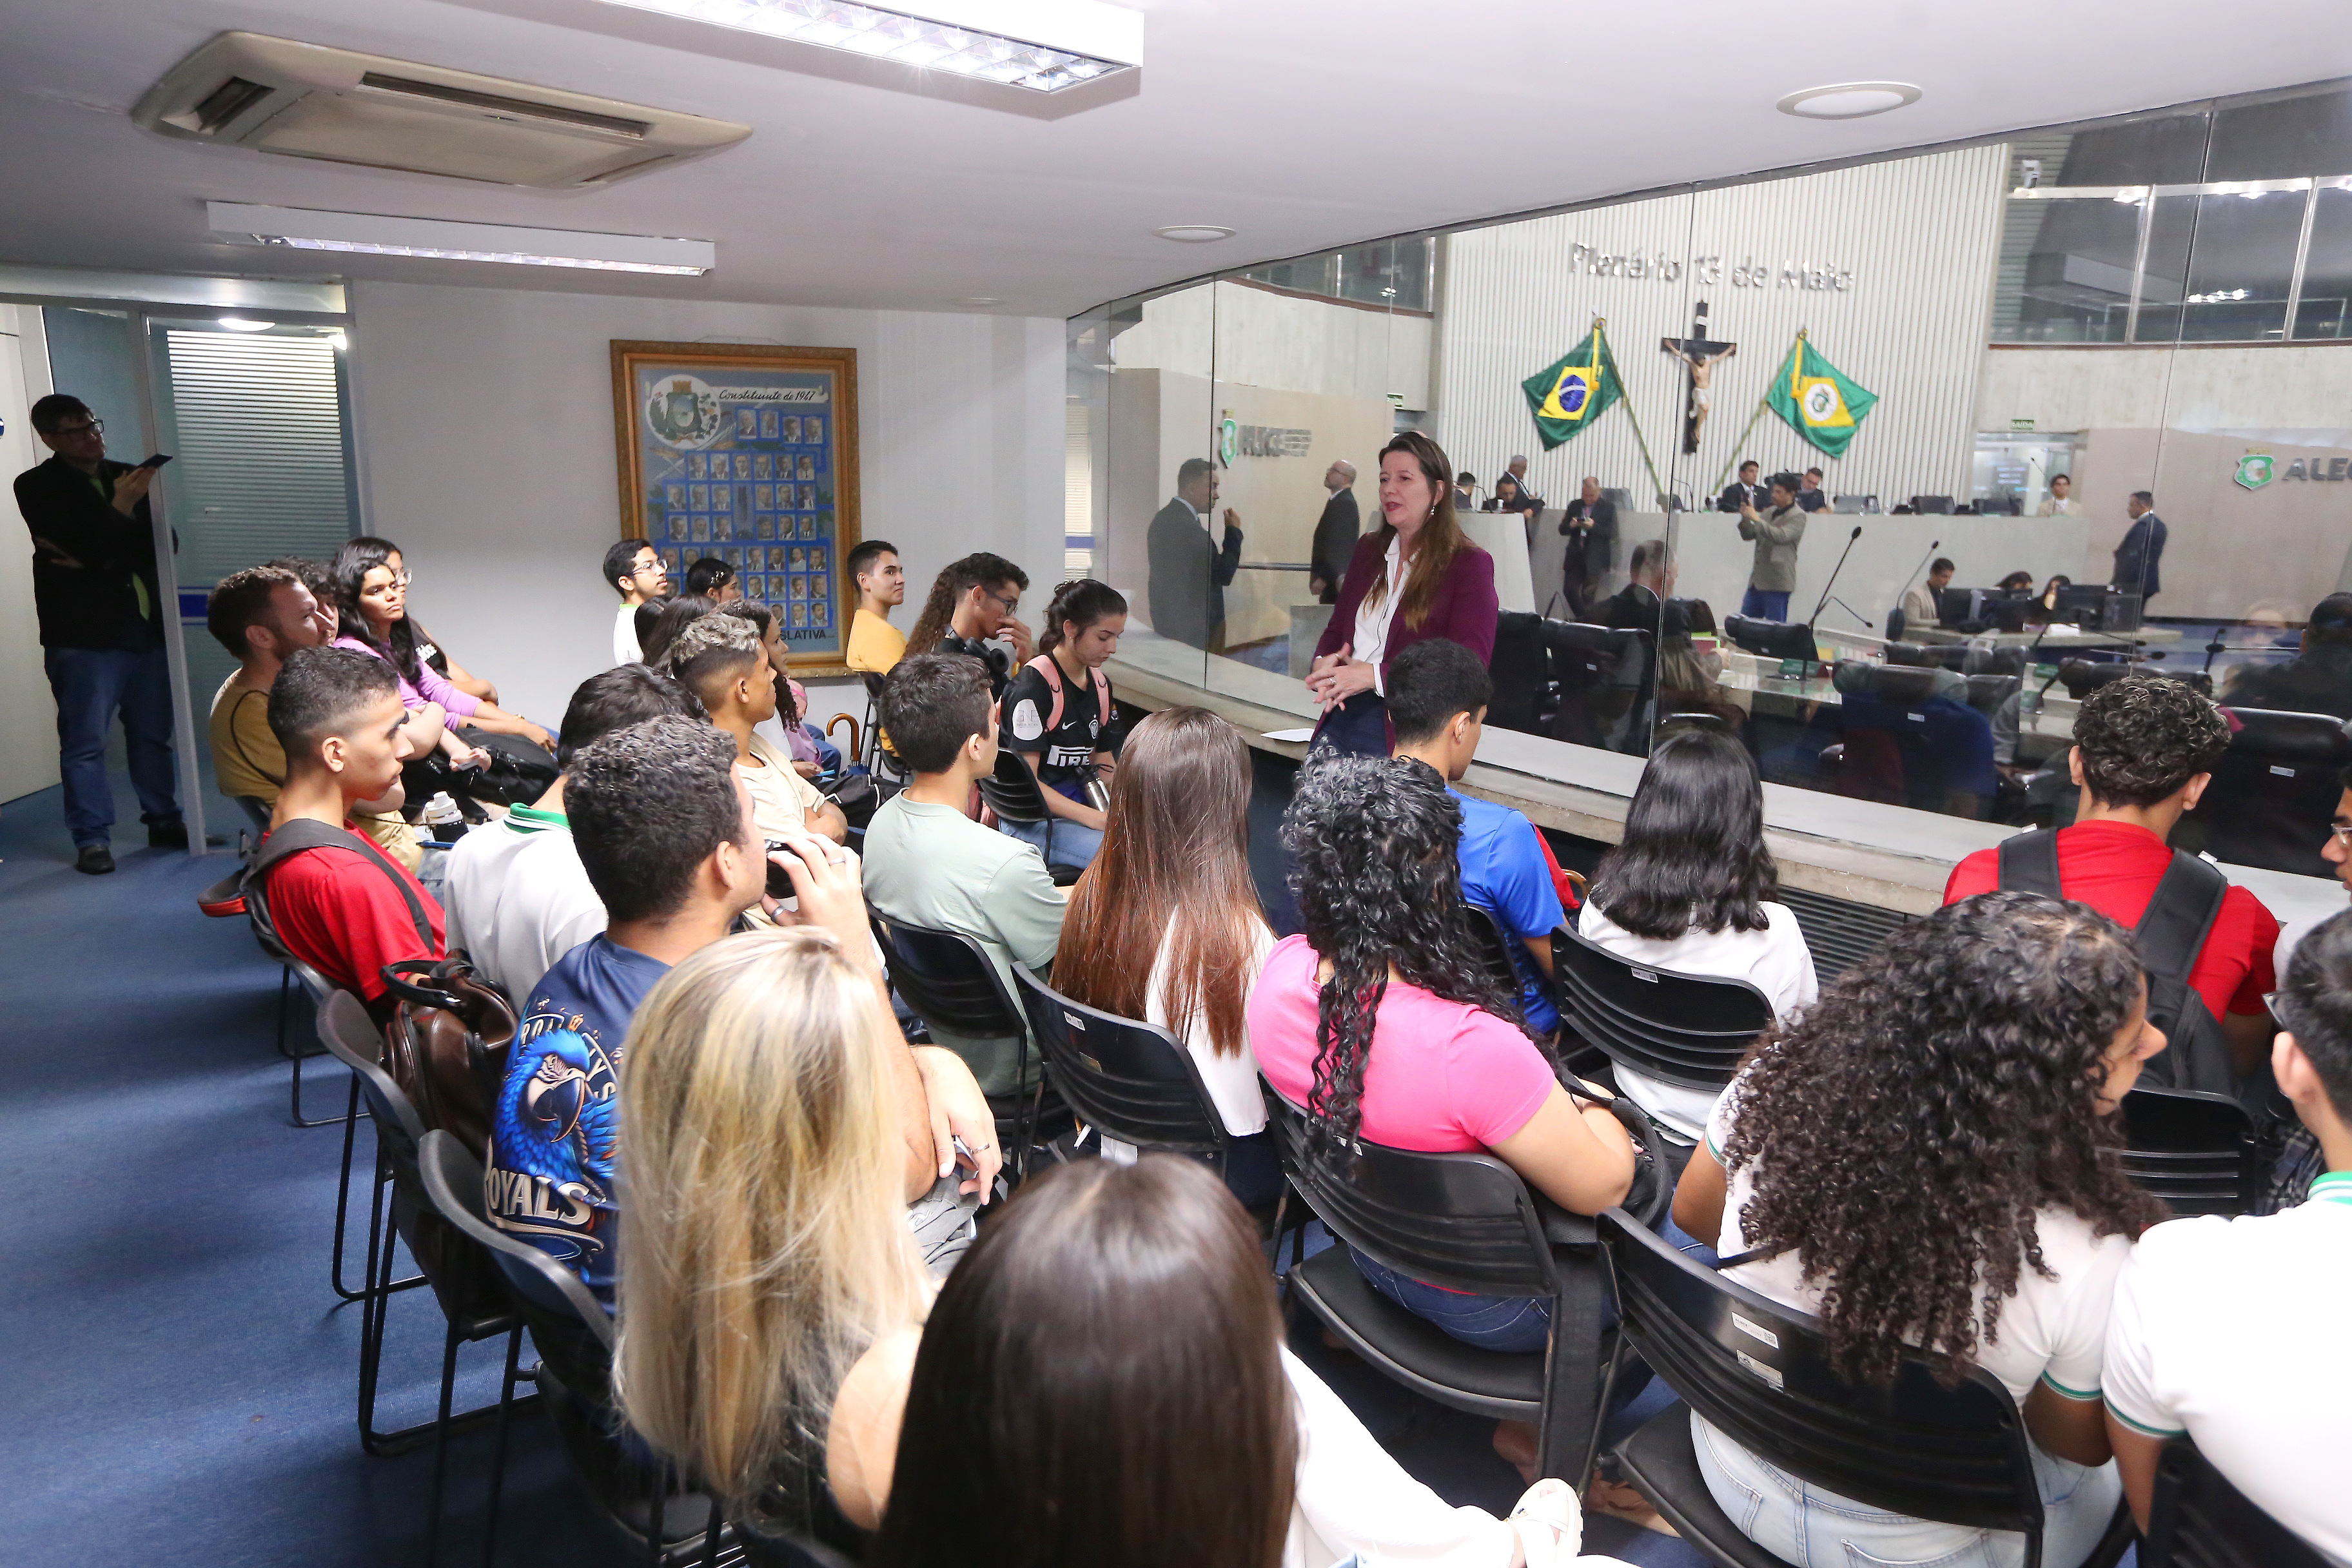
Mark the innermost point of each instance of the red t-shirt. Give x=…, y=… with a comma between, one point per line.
x=2113, y=866
x=336, y=912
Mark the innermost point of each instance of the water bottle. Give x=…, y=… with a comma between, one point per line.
x=441, y=813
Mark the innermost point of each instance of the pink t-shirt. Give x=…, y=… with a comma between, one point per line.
x=1442, y=1076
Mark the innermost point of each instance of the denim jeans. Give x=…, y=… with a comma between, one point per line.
x=92, y=685
x=1818, y=1529
x=1765, y=605
x=1074, y=843
x=1517, y=1324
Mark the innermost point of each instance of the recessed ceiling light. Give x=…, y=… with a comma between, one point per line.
x=975, y=299
x=1043, y=45
x=1194, y=233
x=246, y=324
x=1849, y=99
x=371, y=234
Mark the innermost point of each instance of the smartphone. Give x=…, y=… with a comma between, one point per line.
x=156, y=460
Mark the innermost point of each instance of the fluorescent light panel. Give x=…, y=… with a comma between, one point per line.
x=1043, y=45
x=370, y=234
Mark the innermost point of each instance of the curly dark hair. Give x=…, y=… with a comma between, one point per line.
x=1374, y=841
x=2145, y=736
x=1905, y=1132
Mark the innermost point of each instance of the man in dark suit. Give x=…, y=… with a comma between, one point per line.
x=2136, y=558
x=100, y=607
x=1190, y=569
x=1335, y=533
x=1588, y=523
x=1811, y=497
x=1747, y=493
x=1637, y=603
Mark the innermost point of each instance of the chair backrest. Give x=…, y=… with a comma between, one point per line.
x=2197, y=1519
x=2274, y=790
x=1012, y=790
x=1136, y=1082
x=1463, y=1221
x=1494, y=947
x=1988, y=693
x=948, y=980
x=1600, y=675
x=2195, y=1150
x=256, y=809
x=1522, y=673
x=1938, y=505
x=453, y=1183
x=1759, y=1372
x=1690, y=1030
x=1946, y=656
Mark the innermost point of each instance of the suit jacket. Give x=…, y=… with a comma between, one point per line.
x=1634, y=607
x=1776, y=538
x=1598, y=541
x=2137, y=556
x=1189, y=574
x=1335, y=542
x=1736, y=495
x=1465, y=609
x=82, y=589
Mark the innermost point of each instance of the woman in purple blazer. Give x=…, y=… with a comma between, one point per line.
x=1415, y=577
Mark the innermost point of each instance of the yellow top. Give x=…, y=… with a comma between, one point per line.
x=874, y=643
x=248, y=761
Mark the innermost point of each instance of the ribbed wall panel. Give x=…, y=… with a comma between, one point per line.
x=259, y=470
x=1919, y=234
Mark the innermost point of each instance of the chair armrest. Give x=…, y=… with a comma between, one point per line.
x=1562, y=1229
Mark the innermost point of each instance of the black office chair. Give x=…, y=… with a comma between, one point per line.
x=1688, y=1030
x=1132, y=1081
x=2083, y=676
x=1936, y=505
x=1525, y=696
x=1486, y=935
x=1759, y=1372
x=2195, y=1150
x=2274, y=792
x=949, y=982
x=2197, y=1519
x=1014, y=794
x=1603, y=677
x=1466, y=1222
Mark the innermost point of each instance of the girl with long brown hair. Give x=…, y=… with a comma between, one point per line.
x=1415, y=577
x=1165, y=925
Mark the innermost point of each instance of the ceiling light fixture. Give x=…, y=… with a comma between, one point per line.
x=245, y=324
x=370, y=234
x=1848, y=100
x=1194, y=233
x=1042, y=46
x=975, y=299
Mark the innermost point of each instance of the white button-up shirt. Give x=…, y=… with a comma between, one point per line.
x=1370, y=642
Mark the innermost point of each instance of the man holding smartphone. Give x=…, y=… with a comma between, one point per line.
x=100, y=608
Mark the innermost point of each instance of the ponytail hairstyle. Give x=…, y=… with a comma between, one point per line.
x=1083, y=602
x=1442, y=538
x=956, y=579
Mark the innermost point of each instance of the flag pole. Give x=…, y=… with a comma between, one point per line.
x=1762, y=404
x=1601, y=337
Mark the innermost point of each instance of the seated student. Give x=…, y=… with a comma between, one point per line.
x=972, y=602
x=372, y=596
x=720, y=660
x=261, y=614
x=2012, y=1026
x=1059, y=710
x=517, y=897
x=929, y=865
x=663, y=827
x=1440, y=1063
x=1438, y=693
x=1690, y=889
x=667, y=621
x=633, y=568
x=2223, y=1331
x=345, y=911
x=994, y=1443
x=2318, y=679
x=783, y=730
x=1166, y=926
x=712, y=578
x=2144, y=749
x=875, y=645
x=405, y=633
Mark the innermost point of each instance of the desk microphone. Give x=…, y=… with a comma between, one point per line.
x=1833, y=576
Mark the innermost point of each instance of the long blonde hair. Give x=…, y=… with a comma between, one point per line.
x=765, y=1244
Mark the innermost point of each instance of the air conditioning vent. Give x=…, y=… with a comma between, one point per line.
x=304, y=100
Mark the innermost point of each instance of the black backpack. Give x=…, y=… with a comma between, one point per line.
x=289, y=839
x=2171, y=933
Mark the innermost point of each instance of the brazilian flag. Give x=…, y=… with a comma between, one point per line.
x=1572, y=393
x=1819, y=403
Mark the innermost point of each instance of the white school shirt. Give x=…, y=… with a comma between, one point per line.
x=1371, y=643
x=625, y=636
x=2228, y=1331
x=517, y=898
x=1775, y=961
x=1232, y=1081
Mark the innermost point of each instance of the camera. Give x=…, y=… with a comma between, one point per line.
x=779, y=881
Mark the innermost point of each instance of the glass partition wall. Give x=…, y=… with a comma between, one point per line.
x=2050, y=409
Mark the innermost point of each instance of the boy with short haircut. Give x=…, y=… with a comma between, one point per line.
x=2223, y=1331
x=929, y=865
x=635, y=570
x=721, y=660
x=875, y=645
x=517, y=895
x=2144, y=748
x=340, y=904
x=1437, y=695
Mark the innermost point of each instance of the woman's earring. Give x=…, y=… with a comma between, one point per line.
x=1432, y=509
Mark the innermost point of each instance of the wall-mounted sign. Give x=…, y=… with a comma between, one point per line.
x=1709, y=270
x=1238, y=440
x=2320, y=468
x=2254, y=471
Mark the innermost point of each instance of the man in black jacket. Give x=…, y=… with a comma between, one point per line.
x=1335, y=533
x=101, y=616
x=1745, y=492
x=1589, y=526
x=1190, y=569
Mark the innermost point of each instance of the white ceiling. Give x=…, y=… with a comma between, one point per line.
x=1301, y=123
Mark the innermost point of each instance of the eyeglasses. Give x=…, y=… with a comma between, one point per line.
x=1011, y=605
x=95, y=427
x=2343, y=837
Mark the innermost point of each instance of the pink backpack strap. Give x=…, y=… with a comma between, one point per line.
x=1043, y=665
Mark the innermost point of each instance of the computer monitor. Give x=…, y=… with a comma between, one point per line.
x=1955, y=605
x=1771, y=639
x=1981, y=609
x=2080, y=602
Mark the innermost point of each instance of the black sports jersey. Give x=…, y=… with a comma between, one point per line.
x=1066, y=751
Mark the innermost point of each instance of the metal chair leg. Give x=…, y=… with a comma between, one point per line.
x=499, y=1460
x=441, y=1445
x=342, y=1212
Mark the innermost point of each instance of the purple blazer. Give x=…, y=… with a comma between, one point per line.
x=1465, y=609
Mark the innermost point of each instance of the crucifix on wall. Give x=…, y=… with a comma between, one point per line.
x=1699, y=352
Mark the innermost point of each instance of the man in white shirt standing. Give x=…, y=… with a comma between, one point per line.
x=635, y=570
x=2225, y=1331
